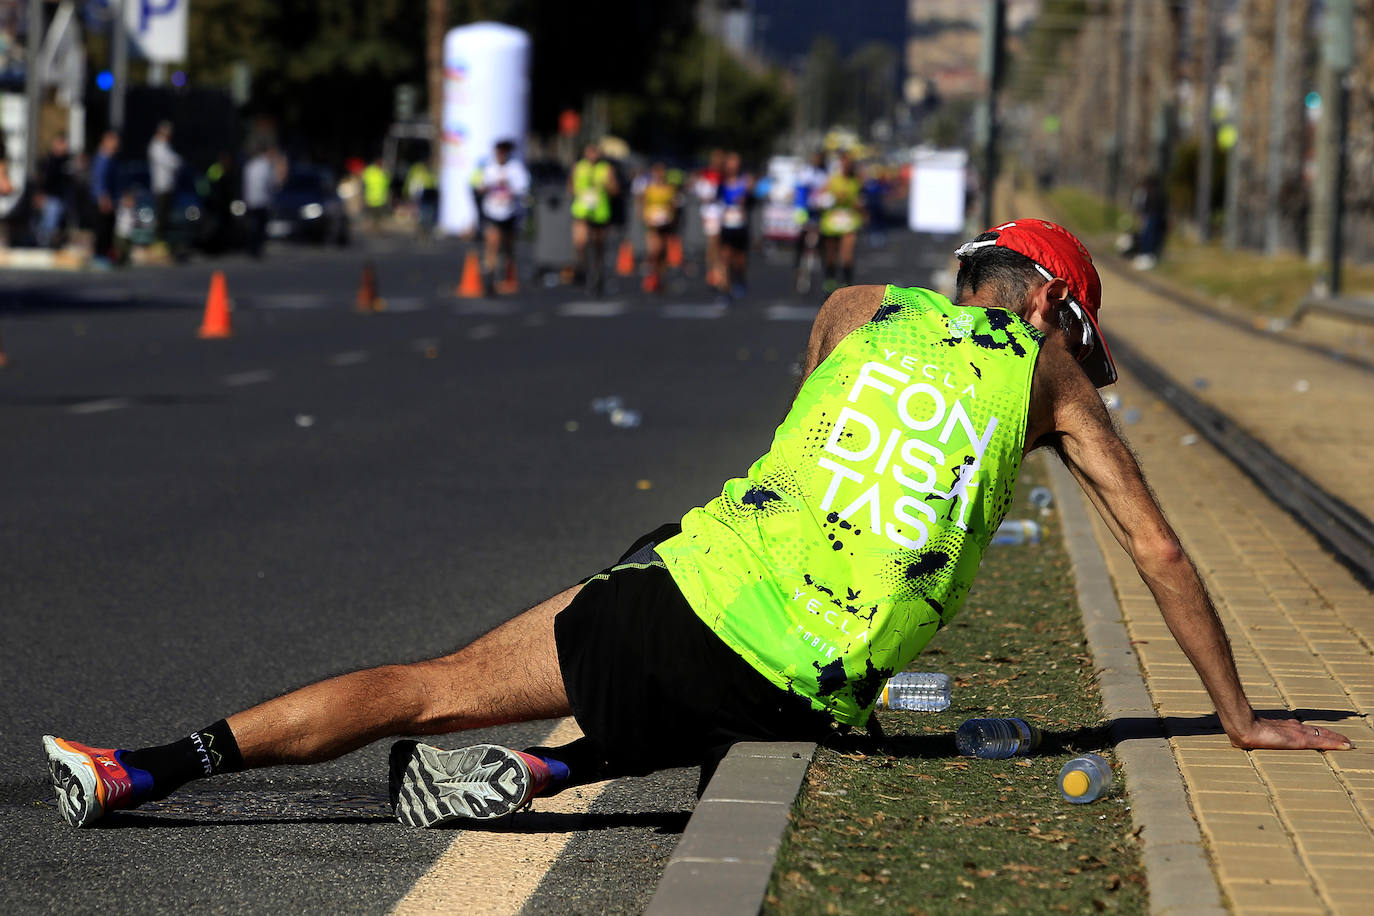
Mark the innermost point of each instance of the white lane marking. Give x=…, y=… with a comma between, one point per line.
x=485, y=307
x=706, y=310
x=493, y=873
x=482, y=331
x=592, y=309
x=786, y=312
x=349, y=358
x=251, y=377
x=100, y=406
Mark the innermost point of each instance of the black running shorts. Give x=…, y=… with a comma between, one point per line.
x=736, y=238
x=651, y=685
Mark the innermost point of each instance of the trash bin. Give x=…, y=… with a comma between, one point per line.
x=553, y=247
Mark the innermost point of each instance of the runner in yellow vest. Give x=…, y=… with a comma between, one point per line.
x=841, y=217
x=591, y=184
x=658, y=207
x=779, y=608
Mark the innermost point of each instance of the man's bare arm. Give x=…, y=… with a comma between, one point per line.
x=1112, y=480
x=843, y=311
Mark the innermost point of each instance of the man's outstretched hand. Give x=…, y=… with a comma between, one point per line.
x=1289, y=734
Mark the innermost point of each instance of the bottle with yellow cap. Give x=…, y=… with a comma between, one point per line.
x=1085, y=778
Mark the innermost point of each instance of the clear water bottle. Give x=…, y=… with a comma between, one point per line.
x=924, y=691
x=1017, y=531
x=1085, y=778
x=996, y=739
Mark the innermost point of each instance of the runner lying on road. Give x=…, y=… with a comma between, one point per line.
x=779, y=609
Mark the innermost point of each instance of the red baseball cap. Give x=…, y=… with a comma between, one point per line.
x=1056, y=252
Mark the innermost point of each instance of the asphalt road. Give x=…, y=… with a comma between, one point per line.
x=189, y=527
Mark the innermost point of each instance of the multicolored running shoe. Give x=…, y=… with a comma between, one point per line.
x=430, y=786
x=91, y=781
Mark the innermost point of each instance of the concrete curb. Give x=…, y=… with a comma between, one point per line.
x=725, y=859
x=1176, y=865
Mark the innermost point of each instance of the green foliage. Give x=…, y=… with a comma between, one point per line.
x=326, y=69
x=662, y=116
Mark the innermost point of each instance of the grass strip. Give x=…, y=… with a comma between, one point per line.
x=910, y=827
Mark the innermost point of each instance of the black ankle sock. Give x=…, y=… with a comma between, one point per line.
x=847, y=273
x=208, y=752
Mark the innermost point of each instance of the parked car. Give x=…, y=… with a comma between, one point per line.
x=308, y=208
x=185, y=218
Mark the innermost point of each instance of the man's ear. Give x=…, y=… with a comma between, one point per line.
x=1043, y=312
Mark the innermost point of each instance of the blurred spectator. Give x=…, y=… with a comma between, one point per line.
x=501, y=184
x=103, y=196
x=262, y=176
x=126, y=224
x=592, y=184
x=1150, y=207
x=376, y=192
x=220, y=192
x=55, y=187
x=351, y=188
x=163, y=164
x=422, y=188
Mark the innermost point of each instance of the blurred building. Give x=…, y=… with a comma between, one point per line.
x=945, y=43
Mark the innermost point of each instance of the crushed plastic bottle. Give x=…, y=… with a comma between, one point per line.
x=1085, y=778
x=1017, y=531
x=1041, y=498
x=997, y=739
x=923, y=691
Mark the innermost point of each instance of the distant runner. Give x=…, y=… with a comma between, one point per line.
x=840, y=221
x=707, y=189
x=658, y=207
x=592, y=184
x=501, y=184
x=781, y=607
x=736, y=206
x=810, y=181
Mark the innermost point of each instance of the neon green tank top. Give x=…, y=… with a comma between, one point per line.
x=590, y=200
x=832, y=564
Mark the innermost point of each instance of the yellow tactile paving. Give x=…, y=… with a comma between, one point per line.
x=1288, y=832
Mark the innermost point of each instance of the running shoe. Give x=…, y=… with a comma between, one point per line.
x=430, y=786
x=91, y=781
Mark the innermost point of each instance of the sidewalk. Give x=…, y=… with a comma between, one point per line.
x=1287, y=832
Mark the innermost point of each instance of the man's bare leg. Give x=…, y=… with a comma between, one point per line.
x=509, y=675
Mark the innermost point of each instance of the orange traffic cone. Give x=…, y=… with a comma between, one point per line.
x=470, y=287
x=216, y=323
x=512, y=283
x=674, y=251
x=625, y=262
x=368, y=300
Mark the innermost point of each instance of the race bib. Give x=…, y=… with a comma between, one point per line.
x=733, y=218
x=658, y=215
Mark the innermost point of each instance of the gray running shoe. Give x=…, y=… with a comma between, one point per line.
x=430, y=786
